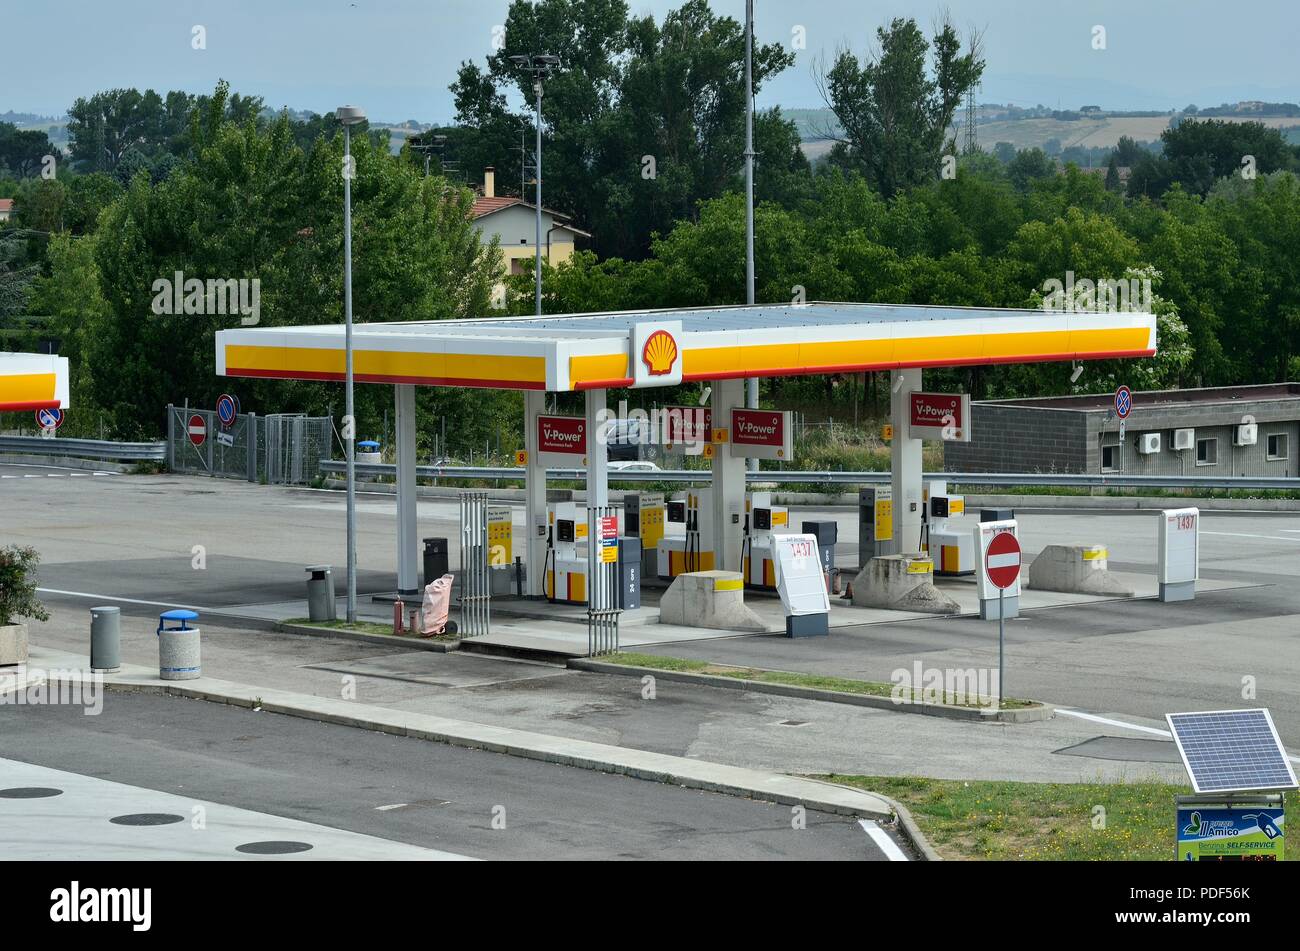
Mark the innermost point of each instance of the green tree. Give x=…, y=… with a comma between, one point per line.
x=894, y=110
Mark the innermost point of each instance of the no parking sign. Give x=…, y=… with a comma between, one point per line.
x=50, y=418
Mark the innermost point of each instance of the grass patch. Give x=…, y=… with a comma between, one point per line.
x=366, y=627
x=980, y=819
x=869, y=688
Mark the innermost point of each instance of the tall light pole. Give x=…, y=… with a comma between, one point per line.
x=540, y=66
x=751, y=385
x=348, y=116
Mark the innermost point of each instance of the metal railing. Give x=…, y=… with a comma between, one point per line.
x=475, y=580
x=836, y=477
x=103, y=449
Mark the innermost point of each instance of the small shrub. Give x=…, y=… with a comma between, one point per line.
x=18, y=586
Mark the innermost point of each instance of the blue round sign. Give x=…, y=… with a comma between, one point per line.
x=226, y=409
x=49, y=418
x=1123, y=402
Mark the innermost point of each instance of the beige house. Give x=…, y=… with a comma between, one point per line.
x=513, y=222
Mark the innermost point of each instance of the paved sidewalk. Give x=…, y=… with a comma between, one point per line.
x=732, y=727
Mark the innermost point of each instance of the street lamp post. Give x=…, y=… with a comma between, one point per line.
x=540, y=66
x=751, y=385
x=348, y=116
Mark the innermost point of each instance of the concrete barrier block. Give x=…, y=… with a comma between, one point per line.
x=901, y=583
x=13, y=644
x=709, y=599
x=1075, y=569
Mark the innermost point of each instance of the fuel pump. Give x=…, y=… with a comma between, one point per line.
x=566, y=544
x=762, y=521
x=687, y=543
x=951, y=548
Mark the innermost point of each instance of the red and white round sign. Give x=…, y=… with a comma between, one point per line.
x=198, y=430
x=1002, y=560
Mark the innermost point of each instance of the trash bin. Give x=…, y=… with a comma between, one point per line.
x=827, y=534
x=321, y=605
x=368, y=451
x=178, y=646
x=436, y=559
x=629, y=573
x=105, y=639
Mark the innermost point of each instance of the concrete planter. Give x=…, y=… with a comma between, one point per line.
x=13, y=644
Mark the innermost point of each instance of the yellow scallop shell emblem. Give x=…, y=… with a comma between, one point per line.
x=660, y=353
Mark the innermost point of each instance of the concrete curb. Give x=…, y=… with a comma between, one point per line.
x=1023, y=715
x=387, y=640
x=582, y=754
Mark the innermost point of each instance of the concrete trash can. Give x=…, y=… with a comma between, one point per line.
x=178, y=647
x=105, y=639
x=321, y=604
x=368, y=451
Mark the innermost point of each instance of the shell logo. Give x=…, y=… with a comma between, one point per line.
x=659, y=353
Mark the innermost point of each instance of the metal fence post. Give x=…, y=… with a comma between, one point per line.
x=250, y=435
x=171, y=437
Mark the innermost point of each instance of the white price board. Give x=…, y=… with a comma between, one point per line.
x=1180, y=545
x=985, y=533
x=799, y=578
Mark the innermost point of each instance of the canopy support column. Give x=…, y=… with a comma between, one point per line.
x=728, y=480
x=534, y=497
x=408, y=543
x=597, y=451
x=905, y=459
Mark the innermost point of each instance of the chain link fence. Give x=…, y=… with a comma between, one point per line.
x=283, y=448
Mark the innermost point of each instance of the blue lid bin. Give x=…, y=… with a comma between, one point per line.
x=178, y=645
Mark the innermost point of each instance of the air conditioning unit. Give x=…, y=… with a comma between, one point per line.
x=1184, y=439
x=1149, y=443
x=1247, y=434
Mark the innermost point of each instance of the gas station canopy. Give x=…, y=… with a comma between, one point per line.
x=33, y=381
x=613, y=350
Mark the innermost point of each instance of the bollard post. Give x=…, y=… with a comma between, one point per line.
x=105, y=639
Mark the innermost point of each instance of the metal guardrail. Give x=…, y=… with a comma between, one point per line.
x=85, y=448
x=791, y=476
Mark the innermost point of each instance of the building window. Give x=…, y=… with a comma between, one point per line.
x=1276, y=447
x=1207, y=452
x=1108, y=458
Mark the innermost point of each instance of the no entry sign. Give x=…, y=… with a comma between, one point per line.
x=198, y=430
x=1002, y=560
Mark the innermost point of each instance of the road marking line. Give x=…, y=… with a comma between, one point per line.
x=113, y=597
x=1279, y=538
x=882, y=840
x=396, y=805
x=1130, y=726
x=1120, y=723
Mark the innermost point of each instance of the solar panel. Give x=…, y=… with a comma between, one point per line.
x=1231, y=751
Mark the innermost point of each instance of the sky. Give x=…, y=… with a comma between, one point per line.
x=396, y=57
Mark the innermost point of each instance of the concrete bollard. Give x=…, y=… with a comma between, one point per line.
x=709, y=599
x=1075, y=569
x=105, y=639
x=901, y=583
